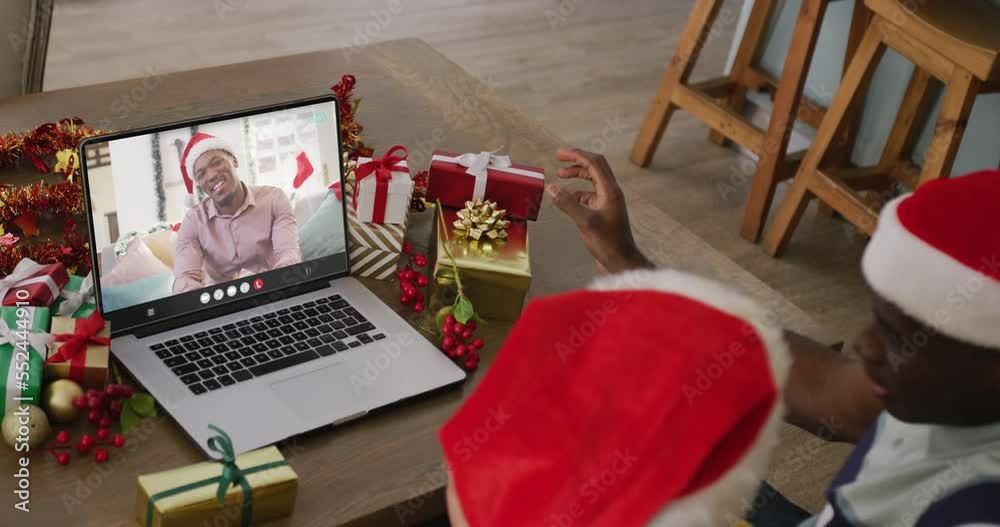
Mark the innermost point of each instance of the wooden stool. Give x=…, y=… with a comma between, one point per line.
x=955, y=41
x=719, y=102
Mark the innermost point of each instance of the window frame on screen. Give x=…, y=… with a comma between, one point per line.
x=181, y=309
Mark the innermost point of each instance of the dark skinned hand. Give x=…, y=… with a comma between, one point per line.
x=600, y=214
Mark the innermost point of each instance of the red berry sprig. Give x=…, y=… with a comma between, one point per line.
x=85, y=444
x=459, y=320
x=458, y=344
x=103, y=406
x=411, y=280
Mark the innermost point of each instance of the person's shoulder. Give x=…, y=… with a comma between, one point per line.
x=266, y=189
x=268, y=192
x=195, y=215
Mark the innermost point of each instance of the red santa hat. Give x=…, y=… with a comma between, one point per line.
x=936, y=255
x=653, y=398
x=198, y=145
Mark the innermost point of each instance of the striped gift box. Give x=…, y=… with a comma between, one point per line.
x=374, y=248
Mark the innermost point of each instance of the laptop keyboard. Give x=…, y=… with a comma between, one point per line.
x=226, y=355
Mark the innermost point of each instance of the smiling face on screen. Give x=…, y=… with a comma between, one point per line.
x=215, y=175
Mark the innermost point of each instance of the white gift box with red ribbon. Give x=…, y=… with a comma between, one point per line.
x=383, y=188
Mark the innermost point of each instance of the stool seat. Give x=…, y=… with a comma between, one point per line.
x=953, y=41
x=964, y=31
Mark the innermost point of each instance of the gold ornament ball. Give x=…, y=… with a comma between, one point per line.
x=37, y=426
x=57, y=399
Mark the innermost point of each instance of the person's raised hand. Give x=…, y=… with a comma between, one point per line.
x=600, y=214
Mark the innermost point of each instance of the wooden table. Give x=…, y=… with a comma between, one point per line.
x=386, y=469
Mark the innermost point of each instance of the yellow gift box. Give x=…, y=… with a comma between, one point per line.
x=89, y=367
x=495, y=275
x=188, y=494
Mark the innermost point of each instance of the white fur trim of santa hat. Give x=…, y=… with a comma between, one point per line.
x=198, y=145
x=725, y=499
x=929, y=285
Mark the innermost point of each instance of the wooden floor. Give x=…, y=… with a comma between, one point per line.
x=587, y=72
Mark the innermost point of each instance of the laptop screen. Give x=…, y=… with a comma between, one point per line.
x=197, y=216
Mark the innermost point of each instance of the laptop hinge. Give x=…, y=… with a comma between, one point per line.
x=210, y=313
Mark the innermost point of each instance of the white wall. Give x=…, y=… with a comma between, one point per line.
x=135, y=193
x=173, y=183
x=979, y=148
x=102, y=202
x=14, y=45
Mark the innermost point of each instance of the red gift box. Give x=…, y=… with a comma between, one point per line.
x=457, y=178
x=41, y=283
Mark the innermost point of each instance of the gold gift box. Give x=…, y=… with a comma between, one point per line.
x=496, y=275
x=95, y=362
x=274, y=493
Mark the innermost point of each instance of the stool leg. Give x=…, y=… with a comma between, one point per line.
x=786, y=103
x=903, y=130
x=841, y=153
x=858, y=74
x=678, y=71
x=746, y=55
x=913, y=110
x=844, y=145
x=955, y=108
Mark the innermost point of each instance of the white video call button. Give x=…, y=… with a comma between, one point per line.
x=231, y=290
x=205, y=297
x=245, y=287
x=218, y=294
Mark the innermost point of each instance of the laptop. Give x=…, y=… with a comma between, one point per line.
x=221, y=262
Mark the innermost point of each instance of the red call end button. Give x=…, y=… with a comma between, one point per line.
x=258, y=283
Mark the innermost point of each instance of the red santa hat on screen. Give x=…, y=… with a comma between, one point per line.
x=654, y=398
x=198, y=145
x=936, y=255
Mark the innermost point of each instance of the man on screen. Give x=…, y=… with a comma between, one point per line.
x=237, y=229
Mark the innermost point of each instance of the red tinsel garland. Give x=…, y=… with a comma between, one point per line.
x=60, y=199
x=42, y=144
x=73, y=252
x=22, y=206
x=65, y=199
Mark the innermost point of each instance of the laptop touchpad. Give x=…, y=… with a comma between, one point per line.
x=326, y=391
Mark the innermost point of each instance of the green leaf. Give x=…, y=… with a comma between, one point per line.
x=143, y=404
x=463, y=309
x=128, y=419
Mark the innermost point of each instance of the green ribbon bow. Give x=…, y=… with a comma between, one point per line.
x=231, y=475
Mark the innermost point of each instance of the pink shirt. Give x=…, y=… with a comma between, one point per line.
x=213, y=247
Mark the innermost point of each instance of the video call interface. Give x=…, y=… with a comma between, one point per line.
x=209, y=208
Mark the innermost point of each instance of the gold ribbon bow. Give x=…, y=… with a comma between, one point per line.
x=482, y=221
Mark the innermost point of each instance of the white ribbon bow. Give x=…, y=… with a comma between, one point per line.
x=21, y=276
x=72, y=300
x=478, y=165
x=37, y=338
